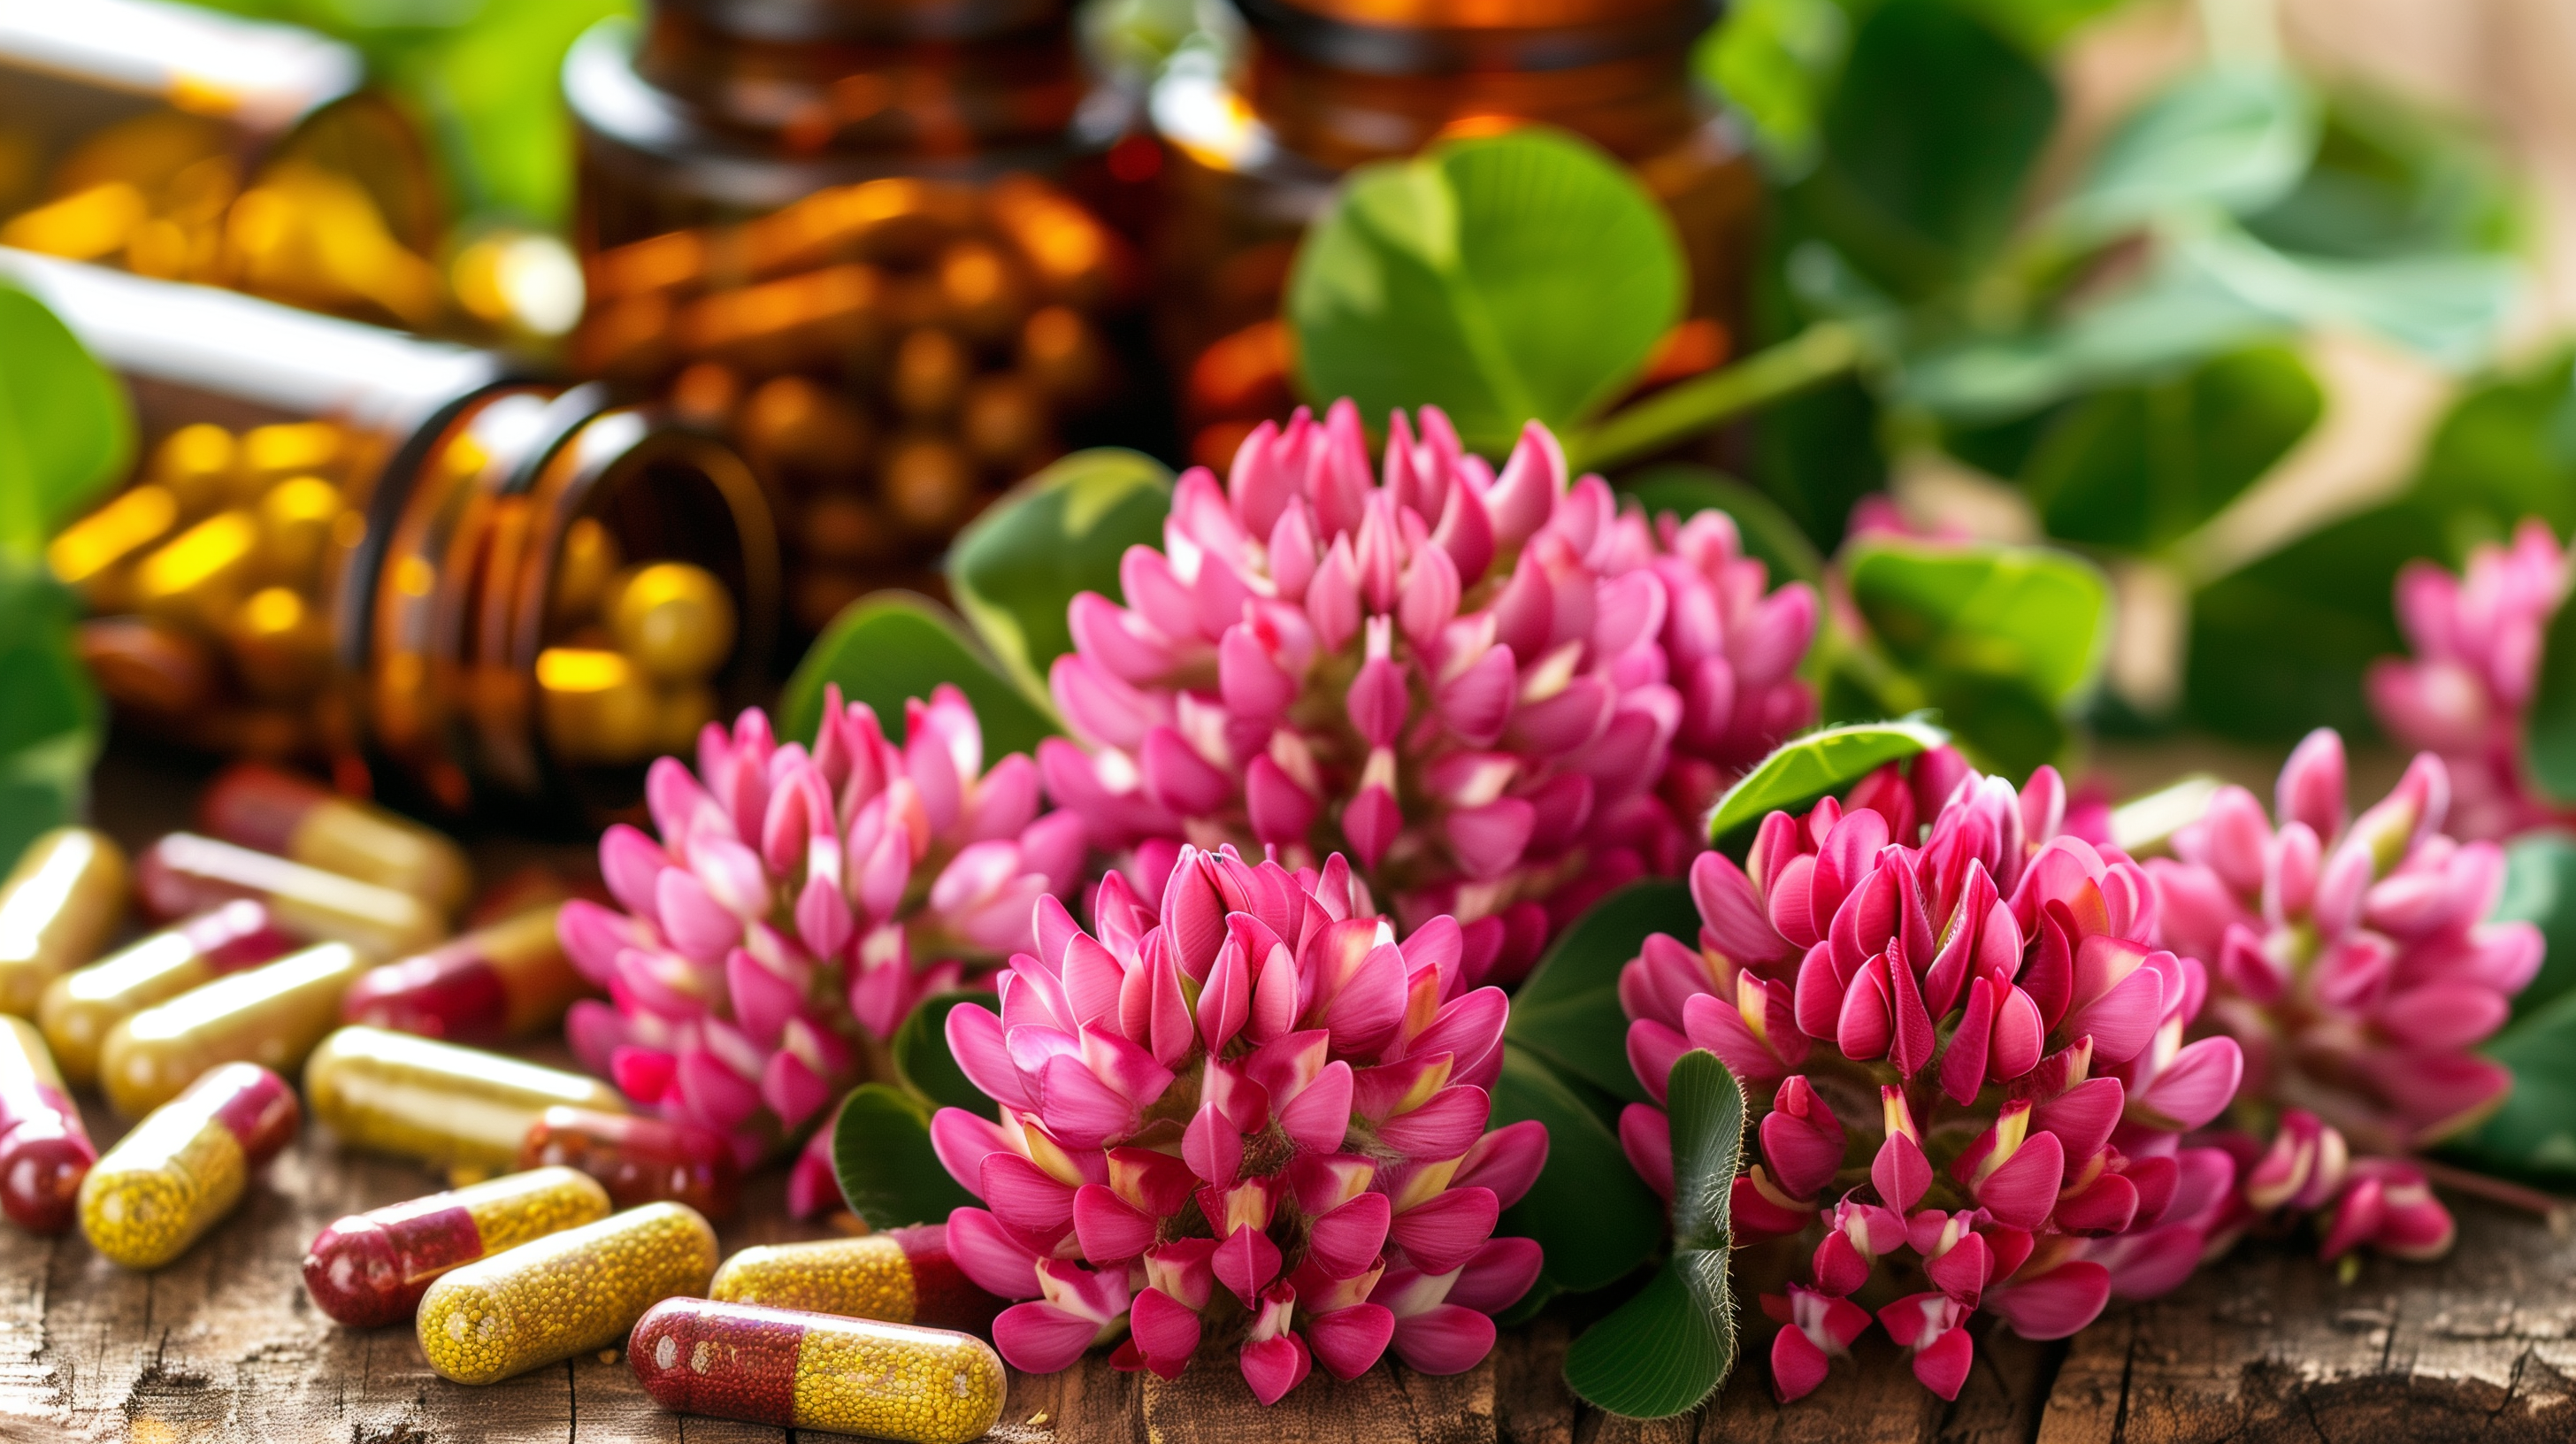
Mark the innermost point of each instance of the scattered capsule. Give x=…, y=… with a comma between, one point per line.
x=272, y=1015
x=61, y=904
x=818, y=1371
x=149, y=667
x=271, y=454
x=675, y=621
x=182, y=1169
x=185, y=873
x=197, y=577
x=370, y=1269
x=639, y=1160
x=196, y=464
x=460, y=1108
x=902, y=1276
x=295, y=519
x=91, y=553
x=564, y=1294
x=503, y=981
x=81, y=1006
x=279, y=643
x=254, y=805
x=45, y=1151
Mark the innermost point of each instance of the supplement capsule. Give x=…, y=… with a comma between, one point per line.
x=673, y=620
x=370, y=1269
x=639, y=1160
x=460, y=1108
x=184, y=873
x=271, y=1015
x=817, y=1371
x=59, y=907
x=80, y=1007
x=594, y=705
x=564, y=1294
x=901, y=1276
x=503, y=981
x=182, y=1169
x=254, y=805
x=45, y=1152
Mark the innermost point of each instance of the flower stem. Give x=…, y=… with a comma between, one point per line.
x=1819, y=353
x=2552, y=1209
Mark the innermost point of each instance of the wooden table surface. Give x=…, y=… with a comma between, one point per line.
x=2267, y=1344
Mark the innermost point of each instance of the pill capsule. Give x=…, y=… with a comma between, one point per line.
x=503, y=981
x=565, y=1294
x=673, y=620
x=254, y=805
x=45, y=1151
x=61, y=904
x=902, y=1276
x=818, y=1371
x=196, y=463
x=461, y=1108
x=81, y=1006
x=639, y=1160
x=184, y=873
x=182, y=1169
x=370, y=1269
x=596, y=706
x=271, y=1015
x=197, y=577
x=91, y=553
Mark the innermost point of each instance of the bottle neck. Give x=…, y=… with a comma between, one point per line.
x=942, y=87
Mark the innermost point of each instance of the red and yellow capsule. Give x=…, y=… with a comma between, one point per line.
x=508, y=980
x=45, y=1152
x=900, y=1276
x=258, y=806
x=818, y=1371
x=639, y=1160
x=80, y=1007
x=182, y=1169
x=60, y=905
x=184, y=873
x=370, y=1269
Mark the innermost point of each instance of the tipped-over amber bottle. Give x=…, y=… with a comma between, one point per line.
x=1328, y=85
x=841, y=234
x=389, y=557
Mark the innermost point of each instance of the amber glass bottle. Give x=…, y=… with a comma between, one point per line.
x=1331, y=84
x=389, y=557
x=841, y=235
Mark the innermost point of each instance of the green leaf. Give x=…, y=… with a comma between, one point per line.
x=1769, y=534
x=1803, y=769
x=1668, y=1349
x=1929, y=140
x=2138, y=468
x=2549, y=727
x=1591, y=1213
x=2532, y=1136
x=888, y=1172
x=1816, y=454
x=1774, y=61
x=2393, y=179
x=2540, y=889
x=2279, y=647
x=66, y=429
x=1018, y=566
x=1568, y=1012
x=1503, y=278
x=2237, y=137
x=2447, y=306
x=889, y=646
x=922, y=1061
x=50, y=716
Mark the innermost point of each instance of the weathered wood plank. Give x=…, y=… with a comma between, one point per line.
x=2269, y=1345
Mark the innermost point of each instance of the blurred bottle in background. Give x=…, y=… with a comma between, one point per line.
x=1255, y=145
x=855, y=240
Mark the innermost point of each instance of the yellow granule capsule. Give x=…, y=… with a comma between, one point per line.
x=565, y=1294
x=271, y=1015
x=817, y=1371
x=182, y=1169
x=60, y=905
x=445, y=1105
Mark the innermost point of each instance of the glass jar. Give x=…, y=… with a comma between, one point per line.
x=1332, y=84
x=844, y=236
x=388, y=556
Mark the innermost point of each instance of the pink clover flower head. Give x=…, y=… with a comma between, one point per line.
x=1248, y=1117
x=1963, y=1058
x=1462, y=680
x=2350, y=957
x=790, y=906
x=2309, y=1171
x=2477, y=641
